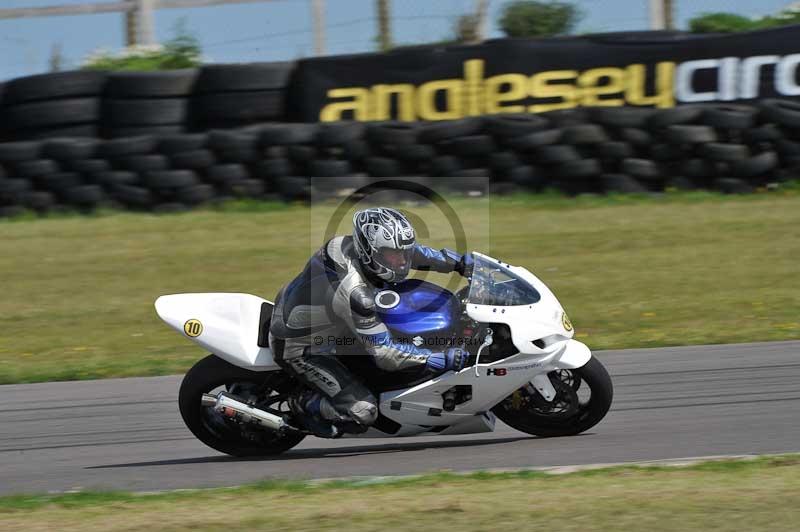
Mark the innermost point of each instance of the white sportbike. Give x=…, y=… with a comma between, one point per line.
x=524, y=366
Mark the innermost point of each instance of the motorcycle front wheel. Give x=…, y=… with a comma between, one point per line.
x=583, y=397
x=212, y=374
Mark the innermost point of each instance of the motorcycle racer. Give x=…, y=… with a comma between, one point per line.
x=336, y=289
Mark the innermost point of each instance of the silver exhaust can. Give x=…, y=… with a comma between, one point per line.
x=234, y=409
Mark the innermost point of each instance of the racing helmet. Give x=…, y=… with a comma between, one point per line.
x=384, y=241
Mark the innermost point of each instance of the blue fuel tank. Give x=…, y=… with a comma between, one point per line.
x=417, y=307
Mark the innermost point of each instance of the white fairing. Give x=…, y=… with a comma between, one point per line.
x=528, y=323
x=576, y=354
x=490, y=386
x=229, y=325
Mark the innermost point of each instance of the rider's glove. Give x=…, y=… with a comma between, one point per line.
x=453, y=358
x=464, y=266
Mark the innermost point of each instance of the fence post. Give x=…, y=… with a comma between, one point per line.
x=139, y=23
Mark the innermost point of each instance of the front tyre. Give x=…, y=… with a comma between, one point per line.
x=226, y=436
x=583, y=397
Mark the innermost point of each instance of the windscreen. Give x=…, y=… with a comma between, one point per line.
x=494, y=284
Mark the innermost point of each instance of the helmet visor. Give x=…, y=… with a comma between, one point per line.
x=396, y=260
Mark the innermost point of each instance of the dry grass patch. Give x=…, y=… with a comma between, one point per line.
x=757, y=495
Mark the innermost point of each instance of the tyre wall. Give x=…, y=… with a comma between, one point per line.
x=172, y=140
x=731, y=148
x=124, y=104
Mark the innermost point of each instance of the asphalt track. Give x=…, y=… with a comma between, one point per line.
x=669, y=403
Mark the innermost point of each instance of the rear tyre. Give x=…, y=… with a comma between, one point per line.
x=212, y=428
x=569, y=413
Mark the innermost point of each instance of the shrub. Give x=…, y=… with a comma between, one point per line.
x=526, y=18
x=182, y=51
x=720, y=23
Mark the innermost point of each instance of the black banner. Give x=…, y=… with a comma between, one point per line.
x=652, y=69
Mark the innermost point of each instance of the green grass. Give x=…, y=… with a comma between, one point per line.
x=755, y=494
x=679, y=269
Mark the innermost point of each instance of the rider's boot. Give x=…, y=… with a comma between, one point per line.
x=310, y=403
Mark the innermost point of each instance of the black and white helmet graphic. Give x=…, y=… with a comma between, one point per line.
x=384, y=240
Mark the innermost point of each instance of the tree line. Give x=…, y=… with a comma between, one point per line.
x=531, y=18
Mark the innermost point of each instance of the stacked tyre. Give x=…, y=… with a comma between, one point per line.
x=144, y=178
x=335, y=157
x=43, y=176
x=189, y=153
x=529, y=148
x=778, y=141
x=288, y=151
x=729, y=148
x=235, y=153
x=235, y=95
x=146, y=103
x=61, y=104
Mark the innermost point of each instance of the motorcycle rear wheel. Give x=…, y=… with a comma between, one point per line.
x=210, y=427
x=524, y=411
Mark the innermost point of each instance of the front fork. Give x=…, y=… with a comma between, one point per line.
x=543, y=385
x=575, y=355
